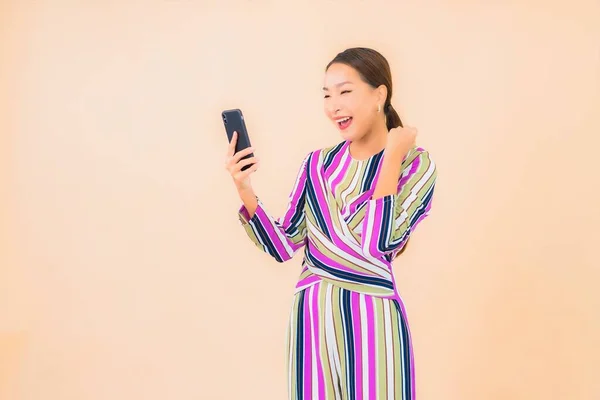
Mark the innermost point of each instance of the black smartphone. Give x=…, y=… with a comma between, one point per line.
x=233, y=120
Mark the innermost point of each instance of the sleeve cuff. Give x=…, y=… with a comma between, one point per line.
x=244, y=214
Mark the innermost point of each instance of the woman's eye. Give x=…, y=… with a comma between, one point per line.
x=343, y=92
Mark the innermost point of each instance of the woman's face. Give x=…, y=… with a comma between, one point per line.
x=350, y=103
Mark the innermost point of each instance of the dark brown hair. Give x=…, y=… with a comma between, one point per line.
x=373, y=69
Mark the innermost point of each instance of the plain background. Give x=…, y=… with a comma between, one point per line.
x=124, y=272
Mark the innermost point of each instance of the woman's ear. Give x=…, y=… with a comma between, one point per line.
x=381, y=94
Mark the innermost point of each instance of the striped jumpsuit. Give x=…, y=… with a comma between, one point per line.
x=348, y=336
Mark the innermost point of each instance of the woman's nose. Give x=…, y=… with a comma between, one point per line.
x=335, y=109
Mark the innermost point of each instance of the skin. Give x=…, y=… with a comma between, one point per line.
x=345, y=94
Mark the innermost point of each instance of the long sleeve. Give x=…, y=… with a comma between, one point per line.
x=391, y=219
x=281, y=238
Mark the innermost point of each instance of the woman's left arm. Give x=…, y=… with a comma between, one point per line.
x=401, y=200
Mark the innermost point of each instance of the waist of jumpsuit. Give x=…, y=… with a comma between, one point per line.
x=354, y=273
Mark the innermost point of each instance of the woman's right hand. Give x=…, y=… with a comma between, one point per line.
x=234, y=165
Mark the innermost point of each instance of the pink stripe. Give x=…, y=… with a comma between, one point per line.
x=294, y=246
x=336, y=162
x=356, y=326
x=315, y=309
x=414, y=167
x=304, y=287
x=272, y=235
x=308, y=281
x=375, y=224
x=244, y=211
x=372, y=360
x=359, y=200
x=306, y=384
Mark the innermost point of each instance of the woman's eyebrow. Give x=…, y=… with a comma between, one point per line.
x=337, y=85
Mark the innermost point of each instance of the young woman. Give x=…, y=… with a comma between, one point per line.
x=353, y=207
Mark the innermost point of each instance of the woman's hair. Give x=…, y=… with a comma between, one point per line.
x=374, y=69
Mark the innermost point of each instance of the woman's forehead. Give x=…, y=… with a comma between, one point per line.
x=340, y=74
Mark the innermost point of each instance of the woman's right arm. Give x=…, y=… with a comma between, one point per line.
x=281, y=238
x=249, y=200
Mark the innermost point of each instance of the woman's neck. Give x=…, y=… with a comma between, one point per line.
x=370, y=144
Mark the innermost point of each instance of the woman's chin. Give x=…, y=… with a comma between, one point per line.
x=348, y=134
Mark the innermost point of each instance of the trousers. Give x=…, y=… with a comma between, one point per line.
x=346, y=345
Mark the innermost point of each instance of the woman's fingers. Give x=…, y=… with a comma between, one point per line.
x=233, y=167
x=237, y=167
x=242, y=153
x=247, y=161
x=231, y=147
x=242, y=175
x=233, y=159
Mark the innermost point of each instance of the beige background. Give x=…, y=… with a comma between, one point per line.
x=124, y=271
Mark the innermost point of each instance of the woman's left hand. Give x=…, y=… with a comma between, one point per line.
x=400, y=140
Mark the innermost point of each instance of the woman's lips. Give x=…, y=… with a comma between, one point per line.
x=344, y=122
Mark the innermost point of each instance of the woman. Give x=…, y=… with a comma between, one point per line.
x=353, y=207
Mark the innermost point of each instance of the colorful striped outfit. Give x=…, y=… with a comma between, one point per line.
x=348, y=336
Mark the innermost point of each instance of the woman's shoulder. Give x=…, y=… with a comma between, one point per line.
x=418, y=152
x=419, y=159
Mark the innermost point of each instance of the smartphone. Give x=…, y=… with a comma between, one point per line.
x=233, y=120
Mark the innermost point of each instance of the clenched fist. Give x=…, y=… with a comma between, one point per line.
x=401, y=139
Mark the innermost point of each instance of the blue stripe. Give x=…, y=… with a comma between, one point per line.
x=300, y=347
x=331, y=155
x=265, y=238
x=371, y=171
x=387, y=213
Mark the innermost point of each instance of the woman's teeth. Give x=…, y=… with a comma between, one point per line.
x=344, y=122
